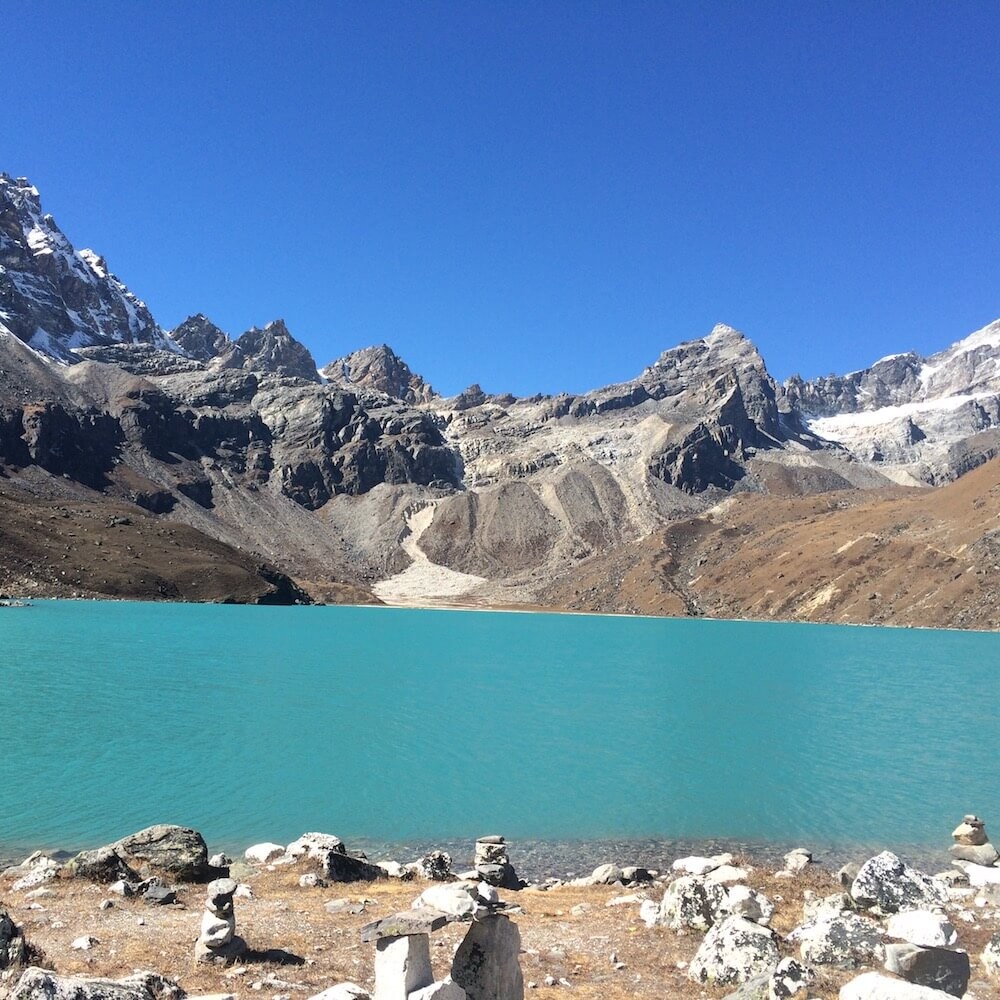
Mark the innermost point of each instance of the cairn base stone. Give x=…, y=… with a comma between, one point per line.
x=487, y=964
x=402, y=966
x=233, y=950
x=980, y=854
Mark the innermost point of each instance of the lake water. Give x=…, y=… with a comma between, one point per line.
x=389, y=725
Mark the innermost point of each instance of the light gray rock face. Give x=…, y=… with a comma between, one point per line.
x=922, y=927
x=263, y=853
x=733, y=952
x=402, y=966
x=971, y=831
x=872, y=986
x=939, y=968
x=691, y=901
x=845, y=940
x=36, y=984
x=886, y=885
x=487, y=964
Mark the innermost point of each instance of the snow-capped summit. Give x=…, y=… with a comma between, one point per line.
x=55, y=298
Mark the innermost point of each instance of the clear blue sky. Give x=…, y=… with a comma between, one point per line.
x=538, y=196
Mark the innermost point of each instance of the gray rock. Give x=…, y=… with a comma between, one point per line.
x=981, y=854
x=487, y=964
x=938, y=968
x=457, y=899
x=697, y=865
x=691, y=901
x=845, y=941
x=34, y=870
x=315, y=845
x=789, y=978
x=339, y=867
x=797, y=860
x=13, y=951
x=848, y=873
x=159, y=895
x=742, y=901
x=990, y=957
x=606, y=875
x=177, y=850
x=758, y=988
x=872, y=986
x=263, y=853
x=422, y=920
x=402, y=966
x=436, y=866
x=733, y=952
x=886, y=885
x=36, y=984
x=103, y=865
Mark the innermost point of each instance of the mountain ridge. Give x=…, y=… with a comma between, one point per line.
x=359, y=475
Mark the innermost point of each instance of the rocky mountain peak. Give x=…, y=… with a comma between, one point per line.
x=381, y=369
x=57, y=299
x=200, y=338
x=271, y=349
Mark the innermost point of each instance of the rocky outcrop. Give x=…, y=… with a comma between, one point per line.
x=200, y=338
x=271, y=349
x=379, y=369
x=13, y=950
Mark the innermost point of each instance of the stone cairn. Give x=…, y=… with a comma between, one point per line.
x=486, y=965
x=493, y=865
x=218, y=942
x=972, y=844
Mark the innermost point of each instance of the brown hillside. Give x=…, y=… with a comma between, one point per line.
x=928, y=557
x=60, y=546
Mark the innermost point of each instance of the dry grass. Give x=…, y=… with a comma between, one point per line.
x=568, y=932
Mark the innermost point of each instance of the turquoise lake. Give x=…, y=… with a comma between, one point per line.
x=390, y=725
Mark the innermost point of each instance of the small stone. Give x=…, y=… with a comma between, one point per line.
x=458, y=899
x=106, y=904
x=797, y=859
x=84, y=943
x=311, y=881
x=701, y=866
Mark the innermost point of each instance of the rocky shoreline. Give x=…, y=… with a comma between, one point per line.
x=711, y=925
